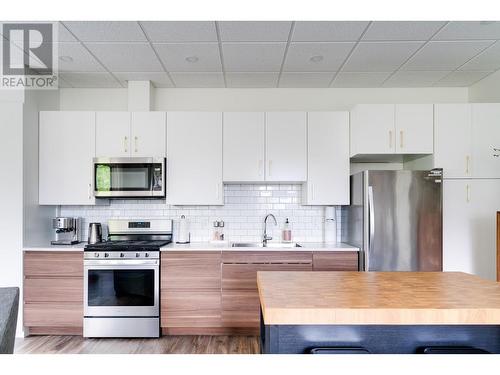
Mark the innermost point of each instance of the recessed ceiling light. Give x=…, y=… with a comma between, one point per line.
x=192, y=59
x=66, y=58
x=486, y=23
x=316, y=59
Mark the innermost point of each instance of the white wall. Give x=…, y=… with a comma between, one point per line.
x=486, y=90
x=11, y=189
x=258, y=99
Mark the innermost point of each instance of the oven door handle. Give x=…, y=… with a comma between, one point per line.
x=121, y=263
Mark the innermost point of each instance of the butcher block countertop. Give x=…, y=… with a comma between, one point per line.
x=377, y=298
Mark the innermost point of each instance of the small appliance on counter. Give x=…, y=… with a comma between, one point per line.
x=183, y=234
x=95, y=233
x=218, y=236
x=66, y=230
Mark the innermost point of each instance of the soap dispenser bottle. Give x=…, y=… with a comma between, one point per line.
x=286, y=233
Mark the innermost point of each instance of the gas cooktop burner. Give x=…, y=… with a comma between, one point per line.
x=132, y=245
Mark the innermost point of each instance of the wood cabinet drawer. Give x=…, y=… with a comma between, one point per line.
x=53, y=315
x=53, y=263
x=266, y=257
x=335, y=261
x=240, y=308
x=190, y=270
x=190, y=308
x=53, y=290
x=244, y=276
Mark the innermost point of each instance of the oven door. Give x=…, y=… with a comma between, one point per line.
x=129, y=177
x=119, y=288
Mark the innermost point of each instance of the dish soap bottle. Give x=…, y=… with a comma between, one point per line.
x=286, y=233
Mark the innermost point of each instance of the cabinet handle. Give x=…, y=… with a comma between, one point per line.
x=261, y=164
x=136, y=139
x=401, y=139
x=270, y=165
x=390, y=138
x=125, y=139
x=467, y=189
x=467, y=162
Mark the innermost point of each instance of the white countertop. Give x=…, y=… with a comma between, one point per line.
x=200, y=246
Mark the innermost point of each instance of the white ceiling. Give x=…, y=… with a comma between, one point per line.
x=278, y=53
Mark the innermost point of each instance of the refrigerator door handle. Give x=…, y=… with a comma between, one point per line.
x=371, y=222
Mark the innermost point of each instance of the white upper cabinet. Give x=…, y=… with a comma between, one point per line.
x=372, y=129
x=414, y=128
x=148, y=134
x=486, y=140
x=328, y=159
x=66, y=149
x=453, y=139
x=112, y=134
x=243, y=146
x=194, y=158
x=286, y=146
x=124, y=134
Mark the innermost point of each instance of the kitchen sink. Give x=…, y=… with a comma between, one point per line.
x=260, y=244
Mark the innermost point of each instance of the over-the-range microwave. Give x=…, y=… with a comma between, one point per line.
x=129, y=177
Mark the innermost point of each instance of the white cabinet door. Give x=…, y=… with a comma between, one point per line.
x=486, y=140
x=148, y=134
x=414, y=128
x=194, y=158
x=469, y=226
x=244, y=135
x=372, y=129
x=453, y=139
x=328, y=159
x=112, y=134
x=67, y=146
x=286, y=146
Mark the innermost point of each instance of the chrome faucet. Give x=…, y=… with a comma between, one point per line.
x=265, y=237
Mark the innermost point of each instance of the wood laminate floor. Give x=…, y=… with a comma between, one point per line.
x=163, y=345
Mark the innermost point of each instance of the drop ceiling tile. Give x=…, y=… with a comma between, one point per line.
x=174, y=57
x=328, y=31
x=106, y=31
x=379, y=56
x=254, y=31
x=313, y=79
x=90, y=80
x=415, y=79
x=159, y=79
x=330, y=56
x=81, y=59
x=463, y=30
x=252, y=79
x=445, y=55
x=461, y=79
x=360, y=79
x=180, y=31
x=201, y=80
x=63, y=35
x=126, y=57
x=402, y=30
x=489, y=59
x=253, y=57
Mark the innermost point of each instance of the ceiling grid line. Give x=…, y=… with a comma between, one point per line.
x=221, y=54
x=349, y=54
x=285, y=53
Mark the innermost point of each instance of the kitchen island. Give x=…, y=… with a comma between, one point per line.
x=378, y=312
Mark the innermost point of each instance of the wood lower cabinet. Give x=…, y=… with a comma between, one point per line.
x=53, y=292
x=335, y=261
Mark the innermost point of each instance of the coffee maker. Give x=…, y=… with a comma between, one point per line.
x=66, y=230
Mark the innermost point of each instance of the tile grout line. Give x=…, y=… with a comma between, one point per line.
x=221, y=55
x=285, y=54
x=335, y=74
x=157, y=55
x=94, y=56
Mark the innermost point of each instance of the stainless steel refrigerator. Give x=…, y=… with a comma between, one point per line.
x=395, y=218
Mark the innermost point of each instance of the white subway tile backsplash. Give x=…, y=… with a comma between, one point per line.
x=243, y=213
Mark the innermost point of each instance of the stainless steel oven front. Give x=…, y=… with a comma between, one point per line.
x=121, y=294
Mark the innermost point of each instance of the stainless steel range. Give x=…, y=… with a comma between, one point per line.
x=122, y=280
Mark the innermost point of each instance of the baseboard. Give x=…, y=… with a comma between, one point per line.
x=59, y=331
x=210, y=331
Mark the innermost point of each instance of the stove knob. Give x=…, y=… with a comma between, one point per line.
x=137, y=255
x=96, y=255
x=106, y=255
x=122, y=255
x=146, y=255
